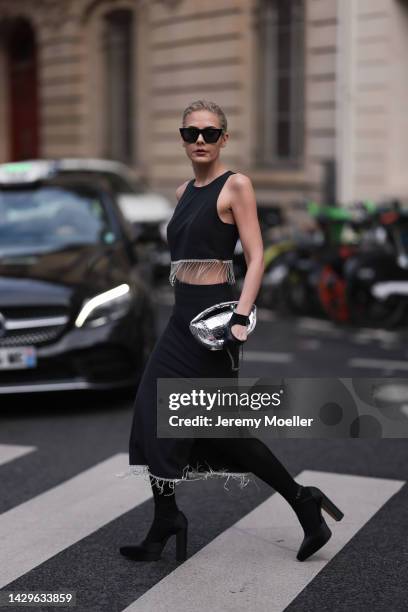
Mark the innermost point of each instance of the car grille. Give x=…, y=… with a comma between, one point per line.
x=37, y=325
x=37, y=336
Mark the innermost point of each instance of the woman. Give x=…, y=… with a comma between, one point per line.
x=213, y=211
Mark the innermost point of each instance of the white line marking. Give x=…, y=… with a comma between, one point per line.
x=384, y=335
x=253, y=565
x=382, y=364
x=361, y=339
x=306, y=324
x=40, y=528
x=310, y=344
x=266, y=315
x=9, y=452
x=311, y=323
x=267, y=357
x=392, y=392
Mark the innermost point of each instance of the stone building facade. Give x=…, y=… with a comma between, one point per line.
x=315, y=91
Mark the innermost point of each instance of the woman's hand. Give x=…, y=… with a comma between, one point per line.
x=239, y=331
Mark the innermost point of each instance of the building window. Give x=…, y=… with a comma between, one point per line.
x=118, y=45
x=281, y=83
x=23, y=89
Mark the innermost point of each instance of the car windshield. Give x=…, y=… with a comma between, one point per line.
x=120, y=185
x=51, y=218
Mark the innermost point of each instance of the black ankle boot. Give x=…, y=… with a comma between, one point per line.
x=308, y=504
x=149, y=550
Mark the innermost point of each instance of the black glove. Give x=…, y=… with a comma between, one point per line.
x=239, y=319
x=230, y=339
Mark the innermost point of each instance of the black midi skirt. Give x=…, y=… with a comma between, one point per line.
x=178, y=354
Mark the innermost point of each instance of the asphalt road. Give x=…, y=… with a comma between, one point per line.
x=56, y=450
x=312, y=347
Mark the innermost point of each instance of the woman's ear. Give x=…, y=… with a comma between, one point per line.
x=224, y=139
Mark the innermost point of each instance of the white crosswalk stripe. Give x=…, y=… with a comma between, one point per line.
x=43, y=526
x=9, y=452
x=252, y=564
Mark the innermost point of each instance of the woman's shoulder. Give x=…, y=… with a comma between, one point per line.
x=181, y=188
x=239, y=181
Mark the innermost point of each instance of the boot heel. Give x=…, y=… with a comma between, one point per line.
x=331, y=508
x=181, y=545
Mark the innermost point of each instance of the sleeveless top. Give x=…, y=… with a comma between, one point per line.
x=198, y=239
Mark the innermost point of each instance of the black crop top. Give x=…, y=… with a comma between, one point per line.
x=197, y=237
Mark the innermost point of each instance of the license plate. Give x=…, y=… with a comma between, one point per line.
x=18, y=358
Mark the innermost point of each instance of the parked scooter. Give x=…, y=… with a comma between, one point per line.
x=377, y=276
x=293, y=269
x=332, y=283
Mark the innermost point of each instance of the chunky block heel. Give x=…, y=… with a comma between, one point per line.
x=308, y=506
x=331, y=508
x=151, y=551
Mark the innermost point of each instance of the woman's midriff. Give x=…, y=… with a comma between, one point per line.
x=207, y=279
x=203, y=273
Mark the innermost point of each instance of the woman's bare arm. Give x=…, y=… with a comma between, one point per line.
x=243, y=203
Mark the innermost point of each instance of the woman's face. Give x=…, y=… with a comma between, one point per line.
x=201, y=152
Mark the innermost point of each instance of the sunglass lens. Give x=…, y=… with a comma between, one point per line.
x=211, y=135
x=189, y=134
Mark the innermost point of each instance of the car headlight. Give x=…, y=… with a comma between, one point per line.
x=105, y=307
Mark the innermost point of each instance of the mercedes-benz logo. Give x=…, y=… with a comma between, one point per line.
x=2, y=325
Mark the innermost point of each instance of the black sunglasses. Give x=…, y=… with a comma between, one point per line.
x=210, y=134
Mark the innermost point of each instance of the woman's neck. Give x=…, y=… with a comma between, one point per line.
x=206, y=175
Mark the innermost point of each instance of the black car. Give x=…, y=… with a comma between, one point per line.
x=75, y=311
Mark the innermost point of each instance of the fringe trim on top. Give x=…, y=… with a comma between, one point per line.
x=189, y=473
x=200, y=266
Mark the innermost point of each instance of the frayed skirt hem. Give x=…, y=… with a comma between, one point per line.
x=189, y=474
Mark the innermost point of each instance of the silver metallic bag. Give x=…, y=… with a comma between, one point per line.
x=209, y=326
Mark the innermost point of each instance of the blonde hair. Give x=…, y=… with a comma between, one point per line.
x=206, y=105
